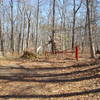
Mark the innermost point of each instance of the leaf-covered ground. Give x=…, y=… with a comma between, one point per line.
x=50, y=79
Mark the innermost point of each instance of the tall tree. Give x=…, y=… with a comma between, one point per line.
x=53, y=27
x=28, y=32
x=74, y=20
x=89, y=29
x=37, y=24
x=12, y=27
x=20, y=25
x=1, y=33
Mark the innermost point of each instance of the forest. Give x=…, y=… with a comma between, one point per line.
x=49, y=49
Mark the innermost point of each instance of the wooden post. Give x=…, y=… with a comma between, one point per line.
x=76, y=53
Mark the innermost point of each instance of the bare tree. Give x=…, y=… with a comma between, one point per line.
x=89, y=30
x=62, y=12
x=1, y=35
x=37, y=24
x=1, y=39
x=12, y=29
x=74, y=20
x=19, y=23
x=28, y=33
x=53, y=27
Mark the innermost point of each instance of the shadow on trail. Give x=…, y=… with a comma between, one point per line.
x=93, y=91
x=52, y=68
x=97, y=69
x=33, y=76
x=53, y=80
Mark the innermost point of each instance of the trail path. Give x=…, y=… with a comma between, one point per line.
x=50, y=80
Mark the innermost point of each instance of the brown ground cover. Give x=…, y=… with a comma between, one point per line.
x=55, y=78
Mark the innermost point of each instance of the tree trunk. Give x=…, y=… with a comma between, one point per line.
x=19, y=39
x=23, y=35
x=37, y=26
x=1, y=40
x=12, y=29
x=27, y=42
x=89, y=30
x=73, y=29
x=53, y=29
x=74, y=20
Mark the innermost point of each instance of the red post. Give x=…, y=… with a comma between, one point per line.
x=76, y=53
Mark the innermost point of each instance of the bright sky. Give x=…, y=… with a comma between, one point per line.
x=45, y=5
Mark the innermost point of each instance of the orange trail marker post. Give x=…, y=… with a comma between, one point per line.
x=76, y=53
